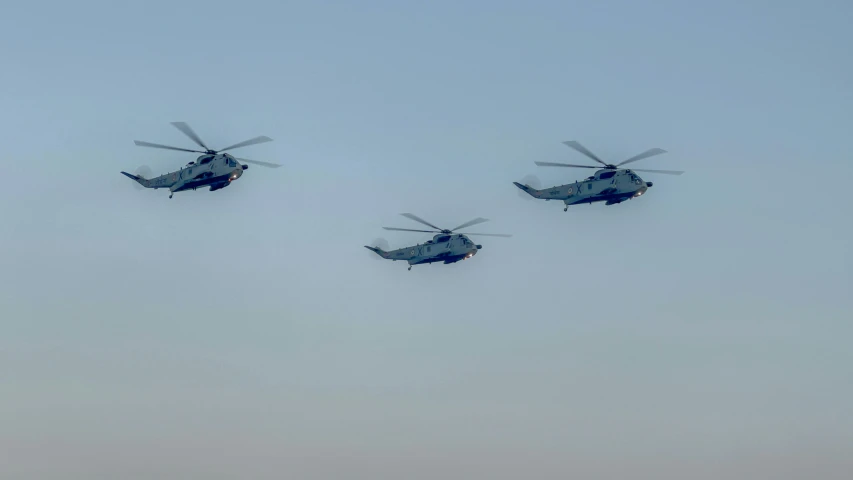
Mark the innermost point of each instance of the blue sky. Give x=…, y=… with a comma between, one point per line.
x=699, y=330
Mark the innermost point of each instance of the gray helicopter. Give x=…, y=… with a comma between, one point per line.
x=609, y=184
x=212, y=169
x=446, y=246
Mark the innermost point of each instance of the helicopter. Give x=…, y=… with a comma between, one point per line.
x=212, y=169
x=446, y=246
x=609, y=184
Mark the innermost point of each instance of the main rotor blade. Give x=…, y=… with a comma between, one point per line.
x=580, y=148
x=253, y=141
x=648, y=153
x=157, y=145
x=183, y=127
x=489, y=234
x=266, y=164
x=668, y=172
x=419, y=220
x=552, y=164
x=472, y=222
x=409, y=230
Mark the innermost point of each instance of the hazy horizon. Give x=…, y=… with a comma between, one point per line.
x=702, y=330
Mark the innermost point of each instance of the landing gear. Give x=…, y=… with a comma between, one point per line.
x=566, y=209
x=410, y=267
x=170, y=195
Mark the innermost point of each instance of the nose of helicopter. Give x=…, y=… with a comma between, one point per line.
x=640, y=191
x=235, y=175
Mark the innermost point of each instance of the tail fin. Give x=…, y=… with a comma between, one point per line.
x=142, y=181
x=378, y=251
x=530, y=190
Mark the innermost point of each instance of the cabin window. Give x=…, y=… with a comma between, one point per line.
x=606, y=175
x=589, y=186
x=429, y=249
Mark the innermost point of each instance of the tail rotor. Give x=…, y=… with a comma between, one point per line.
x=381, y=244
x=531, y=181
x=144, y=172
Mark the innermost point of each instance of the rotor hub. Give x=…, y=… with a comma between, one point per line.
x=609, y=166
x=445, y=231
x=186, y=130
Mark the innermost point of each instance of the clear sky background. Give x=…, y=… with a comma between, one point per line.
x=702, y=331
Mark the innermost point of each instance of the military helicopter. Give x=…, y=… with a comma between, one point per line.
x=213, y=168
x=447, y=246
x=609, y=184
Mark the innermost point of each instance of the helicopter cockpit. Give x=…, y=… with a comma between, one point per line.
x=204, y=159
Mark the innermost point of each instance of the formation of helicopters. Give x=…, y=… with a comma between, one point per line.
x=216, y=170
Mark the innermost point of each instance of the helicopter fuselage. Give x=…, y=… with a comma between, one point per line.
x=445, y=248
x=214, y=171
x=607, y=185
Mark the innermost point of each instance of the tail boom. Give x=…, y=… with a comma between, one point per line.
x=378, y=251
x=142, y=181
x=530, y=190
